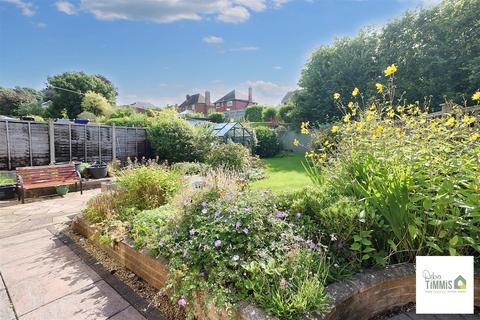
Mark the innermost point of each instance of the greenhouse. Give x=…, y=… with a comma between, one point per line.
x=233, y=132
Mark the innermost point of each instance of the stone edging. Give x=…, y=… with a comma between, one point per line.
x=155, y=272
x=375, y=291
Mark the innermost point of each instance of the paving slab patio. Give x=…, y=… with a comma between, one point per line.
x=41, y=277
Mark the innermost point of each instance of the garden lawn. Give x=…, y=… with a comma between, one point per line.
x=284, y=173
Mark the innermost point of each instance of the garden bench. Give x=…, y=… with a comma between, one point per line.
x=46, y=176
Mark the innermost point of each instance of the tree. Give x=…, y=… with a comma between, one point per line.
x=435, y=50
x=216, y=117
x=254, y=113
x=285, y=112
x=33, y=108
x=96, y=104
x=268, y=144
x=12, y=98
x=269, y=114
x=69, y=89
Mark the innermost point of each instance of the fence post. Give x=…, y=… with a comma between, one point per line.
x=70, y=140
x=51, y=139
x=136, y=144
x=99, y=144
x=30, y=143
x=85, y=138
x=114, y=143
x=8, y=147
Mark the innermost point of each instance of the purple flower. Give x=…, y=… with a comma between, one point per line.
x=245, y=230
x=154, y=227
x=218, y=243
x=248, y=209
x=184, y=254
x=202, y=274
x=280, y=215
x=311, y=244
x=340, y=245
x=297, y=238
x=216, y=214
x=238, y=224
x=235, y=258
x=298, y=215
x=182, y=302
x=192, y=232
x=161, y=242
x=333, y=238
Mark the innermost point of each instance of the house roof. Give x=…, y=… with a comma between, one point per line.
x=287, y=97
x=233, y=95
x=193, y=99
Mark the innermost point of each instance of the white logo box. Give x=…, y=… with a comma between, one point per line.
x=444, y=285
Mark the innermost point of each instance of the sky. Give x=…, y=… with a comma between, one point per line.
x=160, y=50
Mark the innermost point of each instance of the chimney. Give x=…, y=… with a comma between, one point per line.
x=207, y=98
x=250, y=96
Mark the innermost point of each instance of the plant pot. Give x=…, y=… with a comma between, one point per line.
x=97, y=171
x=7, y=191
x=62, y=190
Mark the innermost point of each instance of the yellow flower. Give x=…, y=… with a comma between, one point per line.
x=296, y=142
x=347, y=118
x=378, y=131
x=450, y=122
x=474, y=136
x=476, y=96
x=350, y=105
x=468, y=120
x=336, y=96
x=379, y=87
x=304, y=127
x=390, y=70
x=335, y=129
x=355, y=92
x=400, y=109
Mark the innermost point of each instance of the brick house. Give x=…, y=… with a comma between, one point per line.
x=196, y=103
x=233, y=101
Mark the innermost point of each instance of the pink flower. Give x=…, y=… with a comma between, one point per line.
x=182, y=302
x=218, y=243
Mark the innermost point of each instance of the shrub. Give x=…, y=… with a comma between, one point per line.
x=149, y=225
x=231, y=156
x=102, y=207
x=216, y=117
x=285, y=113
x=190, y=168
x=87, y=115
x=147, y=187
x=220, y=234
x=254, y=113
x=267, y=142
x=175, y=140
x=269, y=114
x=416, y=175
x=96, y=103
x=138, y=120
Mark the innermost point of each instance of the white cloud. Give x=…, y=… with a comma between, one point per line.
x=279, y=3
x=277, y=68
x=66, y=7
x=234, y=15
x=26, y=7
x=239, y=49
x=165, y=11
x=212, y=40
x=41, y=25
x=268, y=93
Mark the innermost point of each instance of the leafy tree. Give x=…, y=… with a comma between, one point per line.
x=96, y=104
x=87, y=115
x=435, y=50
x=69, y=89
x=269, y=114
x=285, y=112
x=254, y=113
x=12, y=98
x=33, y=108
x=216, y=117
x=268, y=144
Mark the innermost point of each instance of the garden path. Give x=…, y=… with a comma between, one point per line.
x=41, y=277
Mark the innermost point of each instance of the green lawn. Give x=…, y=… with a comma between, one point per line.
x=283, y=174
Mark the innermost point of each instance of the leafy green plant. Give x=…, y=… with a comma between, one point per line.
x=147, y=187
x=216, y=117
x=268, y=144
x=231, y=156
x=289, y=287
x=190, y=168
x=6, y=180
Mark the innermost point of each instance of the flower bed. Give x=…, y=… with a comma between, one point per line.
x=155, y=272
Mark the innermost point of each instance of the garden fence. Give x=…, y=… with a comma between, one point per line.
x=29, y=143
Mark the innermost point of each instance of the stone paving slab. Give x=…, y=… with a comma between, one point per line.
x=98, y=301
x=128, y=314
x=6, y=310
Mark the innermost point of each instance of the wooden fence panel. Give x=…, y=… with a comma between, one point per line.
x=28, y=143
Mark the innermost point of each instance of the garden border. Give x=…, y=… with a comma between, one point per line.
x=155, y=272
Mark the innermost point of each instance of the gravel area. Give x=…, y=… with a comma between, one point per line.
x=142, y=288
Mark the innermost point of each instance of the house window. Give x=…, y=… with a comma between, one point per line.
x=229, y=103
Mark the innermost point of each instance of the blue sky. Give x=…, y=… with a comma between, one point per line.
x=160, y=50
